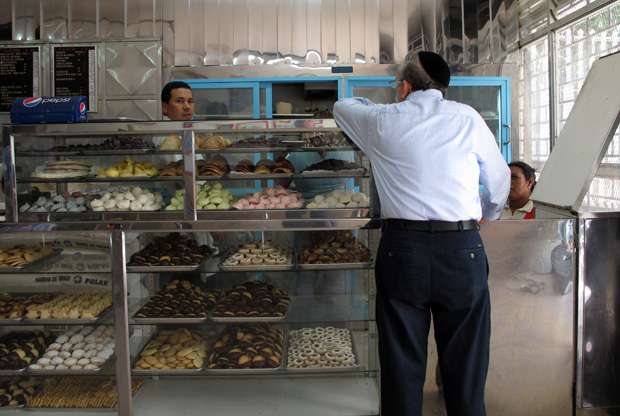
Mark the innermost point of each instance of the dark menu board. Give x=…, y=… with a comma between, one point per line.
x=19, y=75
x=74, y=72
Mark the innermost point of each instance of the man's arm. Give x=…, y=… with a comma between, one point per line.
x=494, y=173
x=353, y=116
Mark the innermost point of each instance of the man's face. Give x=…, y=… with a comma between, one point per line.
x=180, y=106
x=520, y=188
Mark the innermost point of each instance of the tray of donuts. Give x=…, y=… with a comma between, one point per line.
x=321, y=349
x=259, y=256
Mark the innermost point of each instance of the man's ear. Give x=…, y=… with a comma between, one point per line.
x=164, y=108
x=407, y=87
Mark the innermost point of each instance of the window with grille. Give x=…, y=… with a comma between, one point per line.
x=534, y=104
x=578, y=45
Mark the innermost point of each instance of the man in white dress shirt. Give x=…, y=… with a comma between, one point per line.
x=429, y=156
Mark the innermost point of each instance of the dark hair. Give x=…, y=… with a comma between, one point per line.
x=434, y=74
x=528, y=171
x=166, y=92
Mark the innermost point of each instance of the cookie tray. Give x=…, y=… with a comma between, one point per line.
x=26, y=267
x=327, y=369
x=335, y=266
x=249, y=371
x=80, y=321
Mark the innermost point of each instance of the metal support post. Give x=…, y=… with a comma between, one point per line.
x=121, y=323
x=10, y=180
x=188, y=144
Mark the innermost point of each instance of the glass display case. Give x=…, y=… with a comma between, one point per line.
x=238, y=261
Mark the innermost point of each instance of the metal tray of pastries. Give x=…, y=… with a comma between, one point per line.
x=13, y=307
x=22, y=258
x=172, y=352
x=175, y=303
x=251, y=301
x=172, y=253
x=335, y=251
x=70, y=308
x=81, y=350
x=259, y=256
x=237, y=348
x=321, y=349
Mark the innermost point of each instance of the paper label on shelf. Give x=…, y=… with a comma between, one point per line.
x=55, y=282
x=81, y=263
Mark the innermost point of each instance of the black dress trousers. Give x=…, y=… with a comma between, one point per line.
x=443, y=273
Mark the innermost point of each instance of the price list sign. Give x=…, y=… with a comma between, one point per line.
x=19, y=75
x=75, y=72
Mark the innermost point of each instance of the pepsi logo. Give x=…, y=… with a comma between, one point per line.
x=82, y=107
x=32, y=102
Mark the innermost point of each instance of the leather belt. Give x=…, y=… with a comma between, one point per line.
x=430, y=226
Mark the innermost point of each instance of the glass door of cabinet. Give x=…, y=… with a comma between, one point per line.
x=215, y=98
x=379, y=90
x=490, y=97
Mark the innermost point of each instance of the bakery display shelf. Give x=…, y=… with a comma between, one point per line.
x=335, y=266
x=285, y=146
x=93, y=179
x=344, y=173
x=332, y=395
x=170, y=372
x=293, y=115
x=74, y=411
x=10, y=322
x=247, y=319
x=163, y=269
x=29, y=267
x=10, y=373
x=283, y=214
x=89, y=153
x=101, y=217
x=168, y=321
x=258, y=268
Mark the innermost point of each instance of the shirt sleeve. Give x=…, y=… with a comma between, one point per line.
x=354, y=116
x=494, y=173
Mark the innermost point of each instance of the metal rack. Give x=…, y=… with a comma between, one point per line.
x=118, y=225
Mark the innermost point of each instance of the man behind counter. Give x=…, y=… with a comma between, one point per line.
x=429, y=156
x=177, y=101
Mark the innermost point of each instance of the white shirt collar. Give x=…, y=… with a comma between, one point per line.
x=527, y=207
x=430, y=93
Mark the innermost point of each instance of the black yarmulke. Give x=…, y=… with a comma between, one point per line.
x=436, y=67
